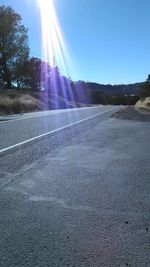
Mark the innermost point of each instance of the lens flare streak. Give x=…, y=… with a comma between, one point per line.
x=54, y=47
x=56, y=53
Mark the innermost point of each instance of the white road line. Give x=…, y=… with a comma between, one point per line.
x=52, y=132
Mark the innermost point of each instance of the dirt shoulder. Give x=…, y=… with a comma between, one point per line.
x=134, y=114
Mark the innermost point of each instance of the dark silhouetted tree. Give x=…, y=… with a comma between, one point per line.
x=14, y=48
x=38, y=75
x=145, y=88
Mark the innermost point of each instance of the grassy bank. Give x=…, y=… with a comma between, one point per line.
x=15, y=101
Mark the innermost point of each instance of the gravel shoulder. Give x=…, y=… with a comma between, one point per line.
x=134, y=114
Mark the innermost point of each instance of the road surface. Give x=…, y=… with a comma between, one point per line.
x=19, y=128
x=82, y=203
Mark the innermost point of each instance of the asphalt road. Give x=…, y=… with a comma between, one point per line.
x=18, y=128
x=85, y=202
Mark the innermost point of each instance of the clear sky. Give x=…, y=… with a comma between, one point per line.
x=109, y=40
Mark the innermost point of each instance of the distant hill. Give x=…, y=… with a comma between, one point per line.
x=114, y=90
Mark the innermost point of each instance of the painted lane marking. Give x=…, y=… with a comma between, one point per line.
x=52, y=132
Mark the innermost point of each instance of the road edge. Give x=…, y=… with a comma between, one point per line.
x=31, y=141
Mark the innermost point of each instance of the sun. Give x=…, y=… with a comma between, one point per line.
x=54, y=49
x=52, y=40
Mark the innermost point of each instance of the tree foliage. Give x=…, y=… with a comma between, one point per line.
x=14, y=50
x=145, y=88
x=38, y=74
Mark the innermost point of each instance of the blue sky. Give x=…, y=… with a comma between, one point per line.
x=109, y=40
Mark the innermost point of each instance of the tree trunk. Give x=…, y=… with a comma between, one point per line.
x=5, y=71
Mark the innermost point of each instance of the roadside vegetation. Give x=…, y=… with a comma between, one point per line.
x=145, y=88
x=144, y=102
x=29, y=83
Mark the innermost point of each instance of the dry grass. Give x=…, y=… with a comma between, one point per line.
x=19, y=103
x=15, y=101
x=143, y=103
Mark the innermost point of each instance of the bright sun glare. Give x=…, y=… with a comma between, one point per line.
x=54, y=49
x=53, y=46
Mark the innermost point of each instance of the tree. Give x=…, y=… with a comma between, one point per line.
x=14, y=48
x=38, y=75
x=145, y=88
